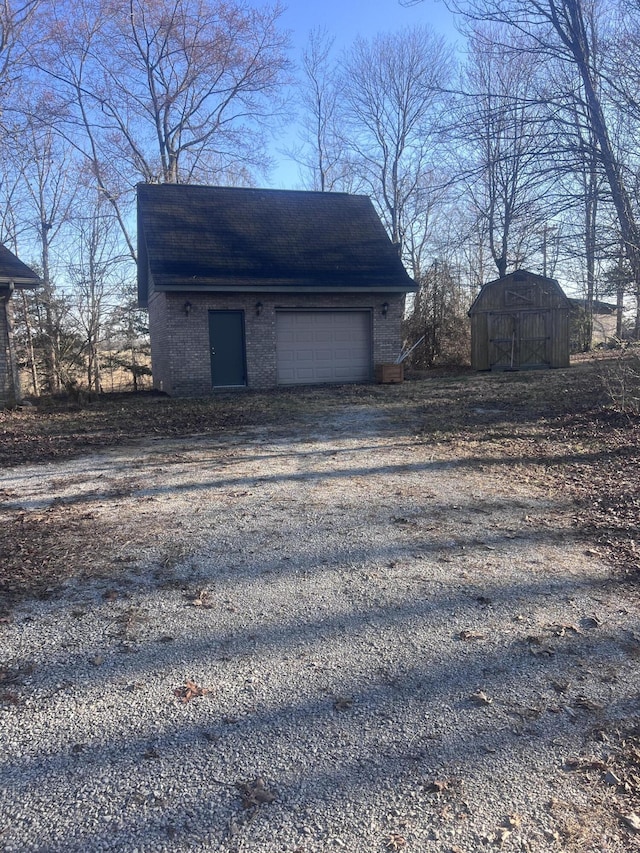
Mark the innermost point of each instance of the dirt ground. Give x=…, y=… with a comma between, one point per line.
x=557, y=427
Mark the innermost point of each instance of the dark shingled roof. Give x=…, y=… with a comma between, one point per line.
x=13, y=270
x=597, y=306
x=229, y=239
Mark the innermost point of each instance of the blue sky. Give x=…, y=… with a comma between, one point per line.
x=347, y=19
x=350, y=18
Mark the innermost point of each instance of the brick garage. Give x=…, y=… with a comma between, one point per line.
x=216, y=264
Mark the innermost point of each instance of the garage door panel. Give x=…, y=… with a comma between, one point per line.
x=323, y=346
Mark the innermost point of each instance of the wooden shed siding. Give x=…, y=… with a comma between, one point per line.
x=520, y=321
x=479, y=341
x=560, y=339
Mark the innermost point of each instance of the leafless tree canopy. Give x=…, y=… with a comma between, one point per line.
x=522, y=151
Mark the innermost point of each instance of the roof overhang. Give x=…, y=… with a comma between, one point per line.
x=283, y=288
x=335, y=282
x=19, y=283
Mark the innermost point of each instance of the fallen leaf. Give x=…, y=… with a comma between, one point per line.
x=632, y=821
x=541, y=651
x=588, y=704
x=611, y=778
x=468, y=634
x=481, y=698
x=255, y=793
x=560, y=628
x=189, y=691
x=578, y=763
x=437, y=786
x=201, y=599
x=501, y=835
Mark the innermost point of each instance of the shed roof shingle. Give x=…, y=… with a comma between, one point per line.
x=228, y=238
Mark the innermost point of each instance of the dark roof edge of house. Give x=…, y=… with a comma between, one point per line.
x=597, y=306
x=19, y=283
x=296, y=289
x=145, y=186
x=14, y=272
x=281, y=287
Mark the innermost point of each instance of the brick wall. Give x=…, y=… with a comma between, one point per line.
x=180, y=348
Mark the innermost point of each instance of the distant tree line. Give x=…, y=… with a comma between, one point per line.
x=96, y=96
x=523, y=152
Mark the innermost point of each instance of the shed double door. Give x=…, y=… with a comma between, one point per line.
x=519, y=340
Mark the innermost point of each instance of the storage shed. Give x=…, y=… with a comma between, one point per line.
x=520, y=322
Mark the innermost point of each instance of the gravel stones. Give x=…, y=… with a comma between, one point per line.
x=336, y=640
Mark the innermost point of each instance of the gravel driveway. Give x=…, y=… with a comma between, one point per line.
x=338, y=638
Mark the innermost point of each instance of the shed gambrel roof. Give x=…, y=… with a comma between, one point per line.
x=13, y=271
x=516, y=279
x=235, y=239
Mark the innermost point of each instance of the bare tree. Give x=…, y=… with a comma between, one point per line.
x=178, y=90
x=14, y=17
x=45, y=171
x=95, y=274
x=561, y=31
x=393, y=90
x=324, y=155
x=504, y=144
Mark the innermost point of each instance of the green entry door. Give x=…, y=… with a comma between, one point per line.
x=226, y=341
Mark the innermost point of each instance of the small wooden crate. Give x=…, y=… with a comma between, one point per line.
x=388, y=374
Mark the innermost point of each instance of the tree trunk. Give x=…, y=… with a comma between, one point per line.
x=577, y=42
x=33, y=368
x=52, y=367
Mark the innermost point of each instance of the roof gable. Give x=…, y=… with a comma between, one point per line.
x=519, y=289
x=227, y=238
x=14, y=271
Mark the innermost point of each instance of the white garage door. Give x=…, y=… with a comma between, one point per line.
x=323, y=346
